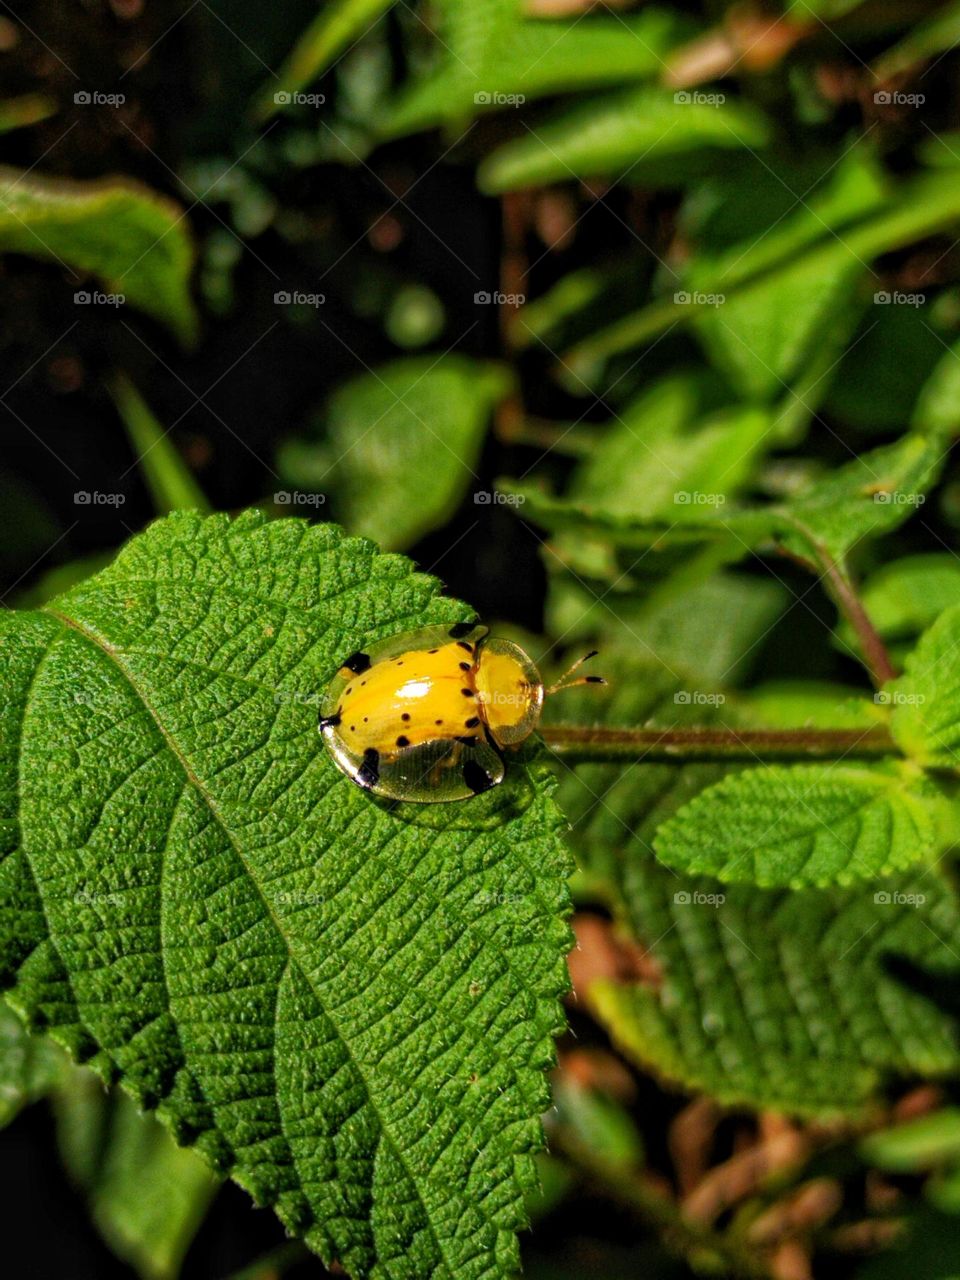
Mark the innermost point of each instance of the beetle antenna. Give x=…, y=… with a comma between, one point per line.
x=566, y=683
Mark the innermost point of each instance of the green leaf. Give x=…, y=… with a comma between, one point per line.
x=654, y=459
x=338, y=24
x=916, y=1145
x=938, y=408
x=136, y=242
x=538, y=58
x=30, y=1066
x=29, y=108
x=630, y=131
x=925, y=39
x=403, y=444
x=778, y=312
x=346, y=1005
x=870, y=495
x=146, y=1196
x=926, y=698
x=795, y=826
x=169, y=479
x=769, y=998
x=916, y=209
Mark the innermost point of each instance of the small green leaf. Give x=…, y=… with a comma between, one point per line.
x=938, y=408
x=926, y=698
x=916, y=1145
x=916, y=209
x=770, y=998
x=136, y=242
x=30, y=1065
x=796, y=826
x=869, y=495
x=925, y=39
x=634, y=130
x=537, y=58
x=403, y=443
x=347, y=1005
x=29, y=108
x=146, y=1195
x=872, y=494
x=338, y=24
x=169, y=479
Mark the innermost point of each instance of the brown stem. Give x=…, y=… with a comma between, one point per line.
x=841, y=589
x=874, y=650
x=679, y=746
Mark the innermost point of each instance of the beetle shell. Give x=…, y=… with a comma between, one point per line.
x=426, y=716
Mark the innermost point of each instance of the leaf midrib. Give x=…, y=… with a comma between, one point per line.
x=112, y=654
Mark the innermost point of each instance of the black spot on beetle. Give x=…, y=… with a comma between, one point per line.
x=433, y=651
x=330, y=722
x=472, y=722
x=462, y=644
x=358, y=662
x=403, y=741
x=460, y=629
x=368, y=775
x=438, y=722
x=464, y=666
x=476, y=777
x=405, y=716
x=467, y=693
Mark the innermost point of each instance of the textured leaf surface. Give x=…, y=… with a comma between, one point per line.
x=926, y=699
x=869, y=495
x=768, y=997
x=136, y=242
x=609, y=136
x=347, y=1006
x=793, y=827
x=146, y=1195
x=402, y=445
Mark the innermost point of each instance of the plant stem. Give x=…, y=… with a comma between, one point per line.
x=678, y=746
x=874, y=650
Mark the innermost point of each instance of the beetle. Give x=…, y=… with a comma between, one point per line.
x=429, y=715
